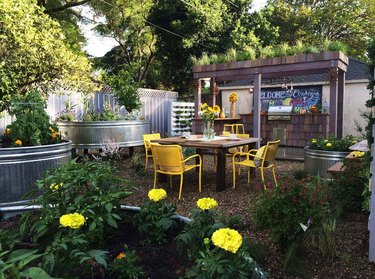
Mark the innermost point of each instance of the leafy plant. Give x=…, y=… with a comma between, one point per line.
x=154, y=221
x=217, y=260
x=332, y=143
x=325, y=238
x=68, y=114
x=138, y=164
x=126, y=266
x=293, y=203
x=32, y=125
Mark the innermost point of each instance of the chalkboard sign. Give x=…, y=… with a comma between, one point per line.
x=301, y=98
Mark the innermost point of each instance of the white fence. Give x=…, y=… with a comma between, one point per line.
x=156, y=107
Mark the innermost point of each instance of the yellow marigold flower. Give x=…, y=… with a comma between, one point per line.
x=74, y=221
x=227, y=239
x=206, y=203
x=329, y=144
x=18, y=142
x=55, y=186
x=233, y=97
x=325, y=140
x=157, y=194
x=217, y=109
x=203, y=106
x=313, y=140
x=121, y=255
x=6, y=131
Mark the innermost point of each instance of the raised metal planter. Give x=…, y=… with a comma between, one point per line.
x=317, y=162
x=20, y=167
x=91, y=134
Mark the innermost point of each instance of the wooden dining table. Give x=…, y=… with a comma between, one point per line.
x=219, y=144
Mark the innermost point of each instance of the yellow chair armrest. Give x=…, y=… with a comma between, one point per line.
x=192, y=157
x=255, y=156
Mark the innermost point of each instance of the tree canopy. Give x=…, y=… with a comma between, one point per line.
x=313, y=21
x=34, y=53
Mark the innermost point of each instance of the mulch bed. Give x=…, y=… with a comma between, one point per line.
x=352, y=234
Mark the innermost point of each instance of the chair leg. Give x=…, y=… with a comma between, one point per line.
x=155, y=177
x=262, y=174
x=248, y=176
x=234, y=174
x=274, y=175
x=181, y=181
x=170, y=181
x=200, y=179
x=146, y=161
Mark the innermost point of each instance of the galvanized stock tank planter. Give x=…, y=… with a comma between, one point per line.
x=91, y=134
x=317, y=162
x=20, y=167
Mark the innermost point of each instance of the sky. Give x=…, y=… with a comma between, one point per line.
x=98, y=46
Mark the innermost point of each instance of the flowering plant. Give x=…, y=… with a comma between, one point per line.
x=233, y=97
x=206, y=203
x=357, y=154
x=228, y=239
x=208, y=113
x=154, y=221
x=332, y=143
x=32, y=125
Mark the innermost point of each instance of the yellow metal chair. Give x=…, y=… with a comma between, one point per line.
x=146, y=140
x=169, y=159
x=262, y=158
x=234, y=129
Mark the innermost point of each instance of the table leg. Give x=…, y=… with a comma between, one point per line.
x=221, y=170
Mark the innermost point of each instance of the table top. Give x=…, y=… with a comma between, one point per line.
x=197, y=141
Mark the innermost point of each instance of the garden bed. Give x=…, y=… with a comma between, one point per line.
x=352, y=233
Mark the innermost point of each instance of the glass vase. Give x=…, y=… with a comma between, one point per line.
x=208, y=130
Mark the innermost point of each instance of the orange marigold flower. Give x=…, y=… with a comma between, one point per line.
x=54, y=135
x=121, y=255
x=18, y=143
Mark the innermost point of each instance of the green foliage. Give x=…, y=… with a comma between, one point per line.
x=214, y=262
x=348, y=187
x=324, y=238
x=202, y=225
x=283, y=49
x=68, y=114
x=137, y=163
x=293, y=202
x=313, y=22
x=125, y=89
x=126, y=266
x=300, y=174
x=34, y=54
x=32, y=125
x=332, y=143
x=154, y=221
x=16, y=264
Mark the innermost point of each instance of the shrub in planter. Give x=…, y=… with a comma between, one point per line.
x=32, y=125
x=332, y=143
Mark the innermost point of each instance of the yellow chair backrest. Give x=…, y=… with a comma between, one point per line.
x=168, y=158
x=148, y=137
x=271, y=149
x=241, y=148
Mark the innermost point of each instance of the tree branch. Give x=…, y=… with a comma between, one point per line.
x=66, y=6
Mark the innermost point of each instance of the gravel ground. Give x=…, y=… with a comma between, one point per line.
x=352, y=234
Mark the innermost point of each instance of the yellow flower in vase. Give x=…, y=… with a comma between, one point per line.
x=233, y=97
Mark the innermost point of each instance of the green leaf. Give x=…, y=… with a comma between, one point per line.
x=36, y=273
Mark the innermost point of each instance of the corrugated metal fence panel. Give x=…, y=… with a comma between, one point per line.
x=156, y=108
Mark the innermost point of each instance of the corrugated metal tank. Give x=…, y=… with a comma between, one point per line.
x=20, y=167
x=92, y=134
x=317, y=162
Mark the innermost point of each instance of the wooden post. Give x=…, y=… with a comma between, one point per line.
x=256, y=104
x=340, y=104
x=197, y=96
x=213, y=90
x=333, y=102
x=371, y=219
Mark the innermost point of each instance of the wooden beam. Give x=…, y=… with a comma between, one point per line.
x=257, y=106
x=340, y=104
x=333, y=103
